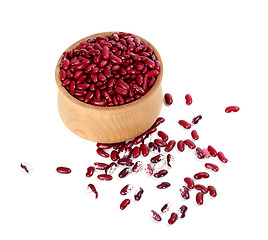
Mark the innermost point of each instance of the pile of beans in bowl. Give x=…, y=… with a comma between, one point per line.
x=109, y=71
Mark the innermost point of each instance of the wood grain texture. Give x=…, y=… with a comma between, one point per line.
x=109, y=124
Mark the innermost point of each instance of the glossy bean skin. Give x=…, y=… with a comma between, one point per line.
x=189, y=182
x=222, y=158
x=126, y=189
x=158, y=121
x=160, y=173
x=199, y=198
x=212, y=167
x=168, y=98
x=199, y=153
x=100, y=166
x=212, y=191
x=194, y=135
x=181, y=212
x=157, y=158
x=110, y=168
x=163, y=185
x=124, y=204
x=173, y=218
x=163, y=135
x=184, y=192
x=144, y=150
x=201, y=188
x=156, y=216
x=206, y=153
x=189, y=144
x=63, y=170
x=138, y=140
x=201, y=175
x=160, y=142
x=105, y=177
x=102, y=153
x=153, y=147
x=184, y=124
x=171, y=144
x=180, y=145
x=124, y=173
x=90, y=171
x=136, y=152
x=188, y=99
x=166, y=207
x=114, y=155
x=125, y=162
x=212, y=151
x=138, y=194
x=196, y=119
x=232, y=109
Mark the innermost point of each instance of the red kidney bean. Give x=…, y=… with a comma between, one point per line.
x=114, y=155
x=83, y=86
x=157, y=158
x=151, y=130
x=72, y=87
x=27, y=167
x=98, y=102
x=104, y=146
x=196, y=119
x=160, y=142
x=160, y=173
x=184, y=192
x=138, y=194
x=163, y=135
x=124, y=172
x=147, y=168
x=173, y=218
x=185, y=124
x=105, y=53
x=201, y=175
x=153, y=147
x=157, y=65
x=153, y=73
x=199, y=153
x=144, y=150
x=110, y=168
x=168, y=98
x=212, y=151
x=206, y=153
x=212, y=191
x=124, y=204
x=163, y=185
x=139, y=89
x=88, y=97
x=199, y=198
x=188, y=99
x=166, y=207
x=129, y=144
x=126, y=189
x=189, y=144
x=66, y=64
x=170, y=160
x=136, y=152
x=194, y=135
x=102, y=153
x=171, y=144
x=138, y=140
x=158, y=121
x=137, y=167
x=92, y=190
x=100, y=166
x=63, y=170
x=156, y=216
x=180, y=146
x=232, y=109
x=125, y=162
x=90, y=171
x=222, y=158
x=105, y=177
x=181, y=212
x=62, y=75
x=212, y=166
x=189, y=182
x=201, y=188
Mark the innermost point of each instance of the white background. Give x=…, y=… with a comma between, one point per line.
x=215, y=50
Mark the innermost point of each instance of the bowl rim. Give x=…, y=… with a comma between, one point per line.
x=114, y=109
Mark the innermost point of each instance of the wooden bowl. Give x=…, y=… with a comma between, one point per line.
x=109, y=124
